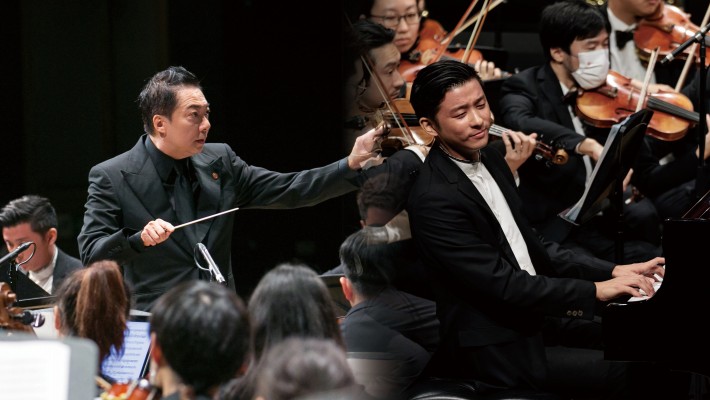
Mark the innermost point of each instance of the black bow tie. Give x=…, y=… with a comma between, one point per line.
x=622, y=37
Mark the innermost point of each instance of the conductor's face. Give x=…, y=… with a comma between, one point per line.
x=183, y=134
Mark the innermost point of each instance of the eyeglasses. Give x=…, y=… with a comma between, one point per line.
x=392, y=21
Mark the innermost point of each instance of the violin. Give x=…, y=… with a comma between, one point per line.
x=666, y=29
x=395, y=139
x=15, y=318
x=137, y=390
x=427, y=48
x=612, y=102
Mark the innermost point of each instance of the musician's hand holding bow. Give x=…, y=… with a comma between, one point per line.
x=487, y=70
x=156, y=232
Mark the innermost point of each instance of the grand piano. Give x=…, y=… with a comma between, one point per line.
x=669, y=327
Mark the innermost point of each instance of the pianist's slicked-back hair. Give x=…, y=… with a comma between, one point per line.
x=32, y=209
x=434, y=81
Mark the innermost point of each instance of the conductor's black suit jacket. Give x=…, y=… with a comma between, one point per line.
x=126, y=192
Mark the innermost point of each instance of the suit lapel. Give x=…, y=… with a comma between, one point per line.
x=455, y=176
x=143, y=179
x=552, y=92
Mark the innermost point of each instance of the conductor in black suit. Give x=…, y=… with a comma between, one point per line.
x=172, y=176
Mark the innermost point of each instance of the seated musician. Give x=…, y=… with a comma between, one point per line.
x=622, y=17
x=405, y=16
x=575, y=42
x=495, y=280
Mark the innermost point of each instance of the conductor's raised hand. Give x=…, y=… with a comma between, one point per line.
x=156, y=232
x=366, y=147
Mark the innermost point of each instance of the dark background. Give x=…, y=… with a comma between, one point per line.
x=71, y=71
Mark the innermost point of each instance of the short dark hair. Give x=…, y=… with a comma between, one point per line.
x=159, y=95
x=203, y=331
x=32, y=209
x=361, y=38
x=563, y=22
x=434, y=81
x=368, y=261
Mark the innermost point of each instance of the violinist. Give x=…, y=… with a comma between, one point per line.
x=199, y=336
x=623, y=16
x=575, y=42
x=667, y=171
x=405, y=17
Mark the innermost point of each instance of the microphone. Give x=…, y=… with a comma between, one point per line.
x=11, y=255
x=210, y=262
x=697, y=37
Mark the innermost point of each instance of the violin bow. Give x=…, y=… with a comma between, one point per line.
x=399, y=120
x=647, y=79
x=691, y=56
x=476, y=17
x=445, y=43
x=476, y=31
x=367, y=62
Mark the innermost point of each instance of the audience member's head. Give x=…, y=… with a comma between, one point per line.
x=200, y=332
x=301, y=367
x=368, y=264
x=94, y=303
x=291, y=300
x=30, y=218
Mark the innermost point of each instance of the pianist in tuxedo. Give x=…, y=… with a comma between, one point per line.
x=32, y=218
x=495, y=280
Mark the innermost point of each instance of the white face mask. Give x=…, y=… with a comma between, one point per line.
x=593, y=68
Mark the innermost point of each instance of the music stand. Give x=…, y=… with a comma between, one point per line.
x=605, y=186
x=29, y=294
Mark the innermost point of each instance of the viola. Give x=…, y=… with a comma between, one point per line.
x=666, y=29
x=612, y=102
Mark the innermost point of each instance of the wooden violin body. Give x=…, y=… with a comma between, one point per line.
x=430, y=41
x=668, y=28
x=14, y=318
x=617, y=99
x=138, y=390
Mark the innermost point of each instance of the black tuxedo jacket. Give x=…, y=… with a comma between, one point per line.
x=126, y=192
x=485, y=302
x=64, y=266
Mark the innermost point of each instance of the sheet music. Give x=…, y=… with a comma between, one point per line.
x=572, y=213
x=34, y=370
